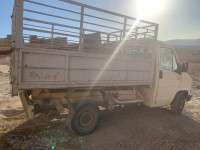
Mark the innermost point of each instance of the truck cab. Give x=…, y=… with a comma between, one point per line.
x=173, y=77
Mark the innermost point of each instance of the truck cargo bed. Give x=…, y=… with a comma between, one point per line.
x=63, y=43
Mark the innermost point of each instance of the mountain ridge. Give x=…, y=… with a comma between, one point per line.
x=184, y=42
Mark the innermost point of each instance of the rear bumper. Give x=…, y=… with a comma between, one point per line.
x=189, y=97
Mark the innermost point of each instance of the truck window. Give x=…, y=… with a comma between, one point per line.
x=168, y=59
x=174, y=63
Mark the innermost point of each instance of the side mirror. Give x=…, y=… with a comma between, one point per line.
x=179, y=69
x=185, y=67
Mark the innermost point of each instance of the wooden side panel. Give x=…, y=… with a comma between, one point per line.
x=91, y=75
x=83, y=69
x=40, y=67
x=140, y=70
x=139, y=76
x=42, y=75
x=41, y=60
x=86, y=69
x=93, y=63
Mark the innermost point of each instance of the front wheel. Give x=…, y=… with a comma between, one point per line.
x=178, y=104
x=85, y=119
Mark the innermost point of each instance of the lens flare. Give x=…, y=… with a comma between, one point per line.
x=116, y=51
x=148, y=8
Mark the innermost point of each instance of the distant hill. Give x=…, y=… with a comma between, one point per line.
x=185, y=42
x=5, y=46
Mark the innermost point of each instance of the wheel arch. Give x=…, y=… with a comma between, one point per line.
x=78, y=104
x=183, y=91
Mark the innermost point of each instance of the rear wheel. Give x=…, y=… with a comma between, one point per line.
x=85, y=119
x=178, y=103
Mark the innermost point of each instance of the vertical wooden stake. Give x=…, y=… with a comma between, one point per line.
x=108, y=38
x=19, y=40
x=52, y=31
x=156, y=32
x=81, y=29
x=124, y=29
x=136, y=33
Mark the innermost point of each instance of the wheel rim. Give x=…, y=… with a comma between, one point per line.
x=86, y=119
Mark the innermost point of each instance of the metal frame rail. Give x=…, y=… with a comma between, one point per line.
x=73, y=26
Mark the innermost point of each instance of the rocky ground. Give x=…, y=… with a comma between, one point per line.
x=43, y=132
x=133, y=127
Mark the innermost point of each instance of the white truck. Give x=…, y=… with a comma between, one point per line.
x=70, y=55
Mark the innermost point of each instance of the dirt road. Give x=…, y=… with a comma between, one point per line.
x=133, y=127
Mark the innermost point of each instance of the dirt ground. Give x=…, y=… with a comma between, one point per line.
x=131, y=127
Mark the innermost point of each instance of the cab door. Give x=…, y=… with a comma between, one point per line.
x=169, y=79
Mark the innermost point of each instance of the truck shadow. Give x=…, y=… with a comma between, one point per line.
x=45, y=131
x=11, y=113
x=128, y=127
x=140, y=127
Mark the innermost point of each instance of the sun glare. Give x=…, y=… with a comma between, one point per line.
x=148, y=8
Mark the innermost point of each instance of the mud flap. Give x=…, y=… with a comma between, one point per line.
x=27, y=104
x=70, y=107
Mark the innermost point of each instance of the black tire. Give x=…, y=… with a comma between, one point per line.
x=86, y=119
x=178, y=104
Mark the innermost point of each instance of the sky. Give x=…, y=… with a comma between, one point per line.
x=178, y=19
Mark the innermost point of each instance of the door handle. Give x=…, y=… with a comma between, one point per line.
x=160, y=74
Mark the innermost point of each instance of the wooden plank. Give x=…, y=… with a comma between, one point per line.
x=105, y=11
x=61, y=85
x=66, y=18
x=52, y=6
x=43, y=31
x=37, y=12
x=61, y=25
x=74, y=12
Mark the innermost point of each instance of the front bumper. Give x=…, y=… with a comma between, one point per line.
x=189, y=97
